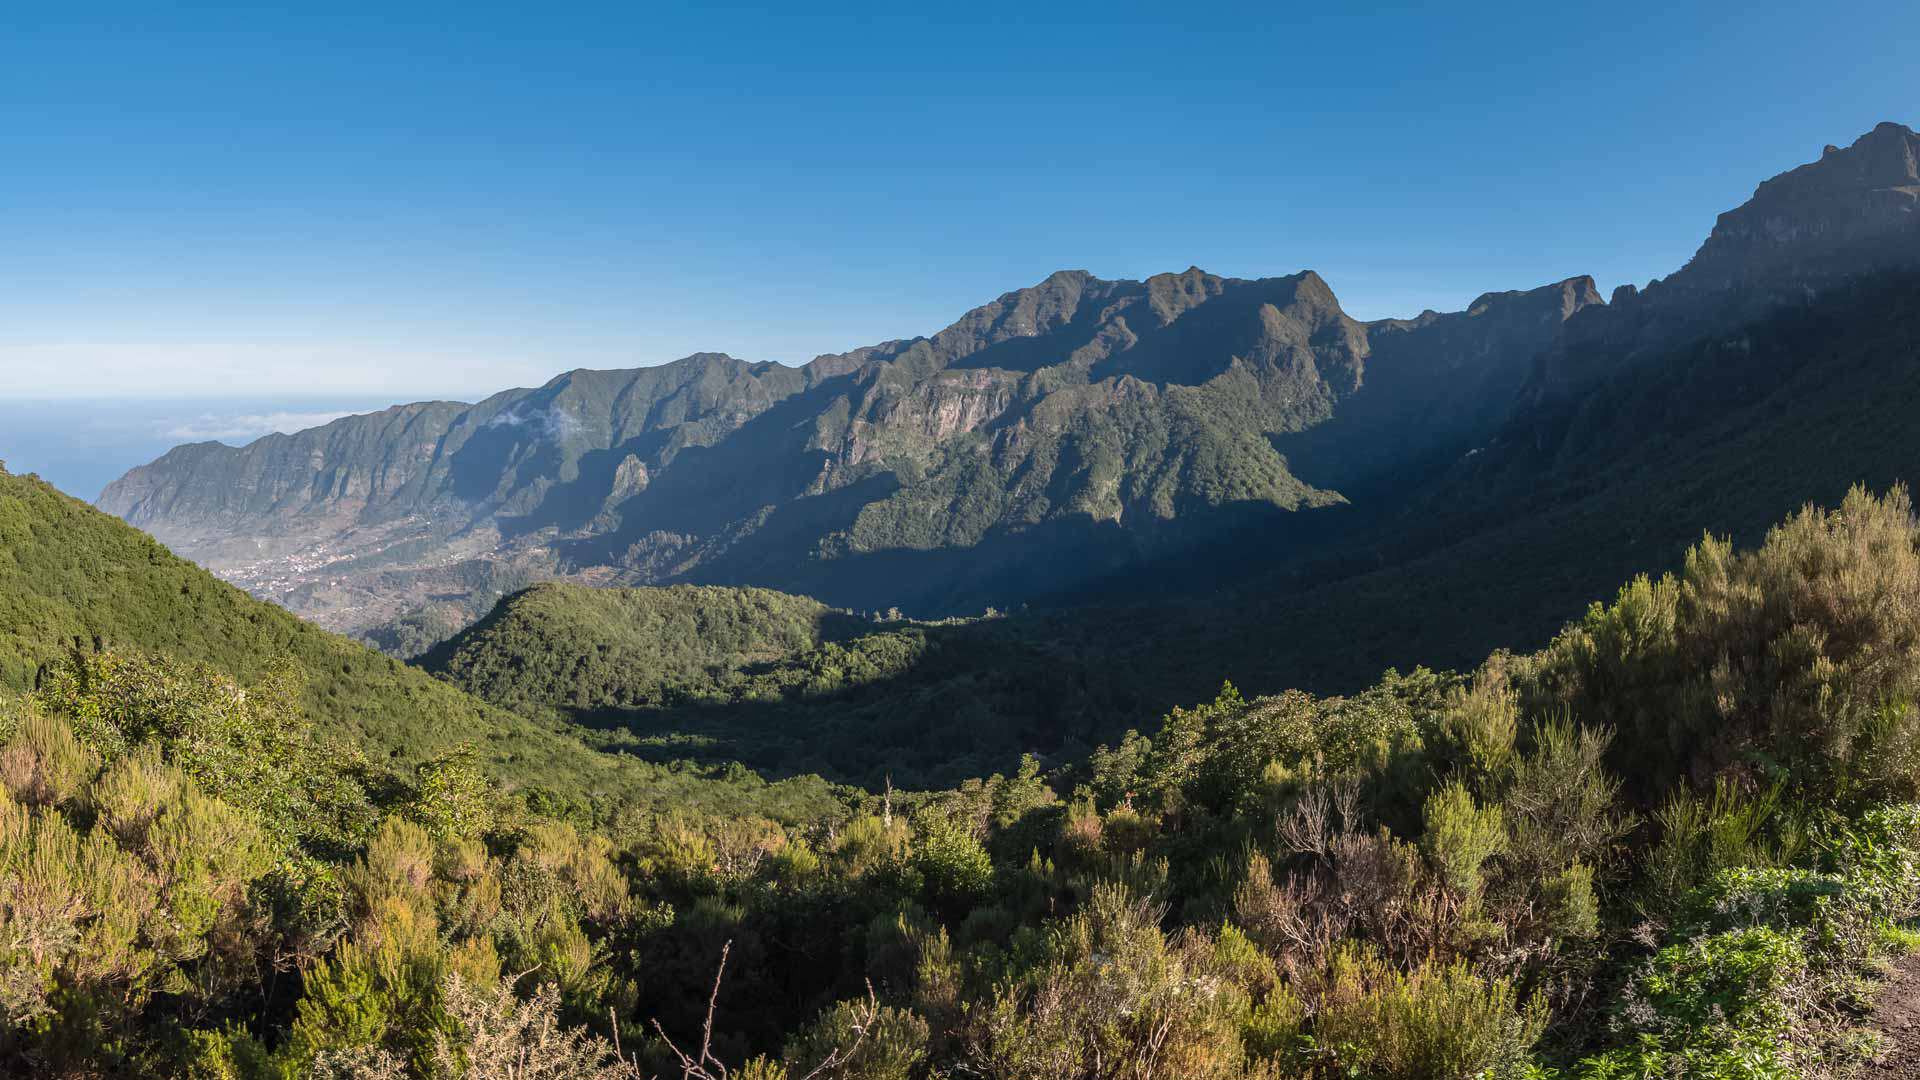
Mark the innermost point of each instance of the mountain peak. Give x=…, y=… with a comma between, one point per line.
x=1854, y=209
x=1567, y=295
x=1887, y=156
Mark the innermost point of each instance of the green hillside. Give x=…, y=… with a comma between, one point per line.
x=1680, y=840
x=1726, y=434
x=569, y=645
x=786, y=685
x=75, y=579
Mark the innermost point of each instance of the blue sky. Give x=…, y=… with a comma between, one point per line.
x=412, y=200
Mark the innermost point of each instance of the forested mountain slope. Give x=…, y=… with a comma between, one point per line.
x=75, y=580
x=557, y=644
x=1721, y=435
x=1064, y=439
x=1779, y=367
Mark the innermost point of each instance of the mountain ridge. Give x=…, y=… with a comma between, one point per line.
x=1054, y=435
x=1122, y=401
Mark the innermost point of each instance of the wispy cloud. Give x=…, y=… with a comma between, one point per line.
x=247, y=426
x=555, y=424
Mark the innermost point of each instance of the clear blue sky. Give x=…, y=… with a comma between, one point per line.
x=416, y=199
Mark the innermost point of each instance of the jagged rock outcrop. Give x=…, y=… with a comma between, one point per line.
x=1854, y=211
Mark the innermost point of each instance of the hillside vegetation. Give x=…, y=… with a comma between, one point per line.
x=1258, y=483
x=569, y=645
x=1680, y=840
x=74, y=580
x=787, y=686
x=1724, y=433
x=1466, y=823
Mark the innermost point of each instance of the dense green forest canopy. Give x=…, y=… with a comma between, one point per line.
x=1678, y=840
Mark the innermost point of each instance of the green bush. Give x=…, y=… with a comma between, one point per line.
x=853, y=1040
x=1460, y=837
x=118, y=888
x=955, y=867
x=1797, y=660
x=1436, y=1020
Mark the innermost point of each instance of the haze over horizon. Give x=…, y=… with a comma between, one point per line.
x=448, y=203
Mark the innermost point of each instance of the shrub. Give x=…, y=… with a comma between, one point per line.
x=853, y=1041
x=1437, y=1020
x=452, y=796
x=955, y=867
x=1798, y=659
x=42, y=763
x=1561, y=802
x=1460, y=837
x=250, y=746
x=132, y=885
x=1112, y=998
x=869, y=841
x=1714, y=1006
x=496, y=1034
x=1780, y=898
x=1701, y=836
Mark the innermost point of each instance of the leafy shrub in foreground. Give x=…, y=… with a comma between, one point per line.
x=1436, y=1020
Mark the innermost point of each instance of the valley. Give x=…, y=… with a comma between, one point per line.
x=1161, y=678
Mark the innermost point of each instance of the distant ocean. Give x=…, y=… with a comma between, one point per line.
x=82, y=446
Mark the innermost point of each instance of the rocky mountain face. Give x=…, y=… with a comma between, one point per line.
x=1062, y=433
x=1078, y=421
x=1855, y=211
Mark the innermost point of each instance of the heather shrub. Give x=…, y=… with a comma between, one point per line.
x=1562, y=804
x=851, y=1041
x=1702, y=835
x=249, y=746
x=1371, y=1019
x=1112, y=997
x=1798, y=660
x=452, y=797
x=1481, y=723
x=952, y=863
x=868, y=842
x=117, y=890
x=42, y=763
x=495, y=1033
x=1460, y=837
